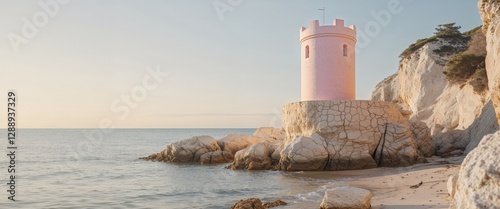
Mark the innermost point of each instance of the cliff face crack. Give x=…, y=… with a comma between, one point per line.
x=374, y=154
x=382, y=148
x=327, y=162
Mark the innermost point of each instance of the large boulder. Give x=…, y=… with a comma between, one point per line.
x=305, y=153
x=255, y=157
x=346, y=198
x=397, y=147
x=478, y=184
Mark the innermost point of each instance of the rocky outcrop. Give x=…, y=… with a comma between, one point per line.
x=252, y=203
x=345, y=135
x=346, y=198
x=207, y=150
x=478, y=183
x=255, y=203
x=187, y=150
x=423, y=93
x=490, y=14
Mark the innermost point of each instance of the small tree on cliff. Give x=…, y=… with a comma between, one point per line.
x=456, y=41
x=448, y=31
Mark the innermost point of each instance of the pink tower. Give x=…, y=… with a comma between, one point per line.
x=328, y=61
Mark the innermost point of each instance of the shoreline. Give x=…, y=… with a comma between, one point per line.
x=390, y=186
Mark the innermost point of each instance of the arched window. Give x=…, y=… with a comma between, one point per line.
x=307, y=51
x=344, y=50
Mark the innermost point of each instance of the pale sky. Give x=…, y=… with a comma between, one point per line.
x=76, y=68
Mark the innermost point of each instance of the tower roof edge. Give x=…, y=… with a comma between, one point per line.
x=337, y=29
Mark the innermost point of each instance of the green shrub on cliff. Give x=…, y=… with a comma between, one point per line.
x=469, y=67
x=457, y=40
x=462, y=67
x=417, y=45
x=479, y=80
x=449, y=32
x=467, y=50
x=474, y=30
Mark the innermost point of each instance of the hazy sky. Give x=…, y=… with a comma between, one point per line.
x=85, y=62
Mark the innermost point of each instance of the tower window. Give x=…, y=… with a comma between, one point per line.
x=344, y=50
x=307, y=51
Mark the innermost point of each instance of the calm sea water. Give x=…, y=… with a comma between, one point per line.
x=79, y=168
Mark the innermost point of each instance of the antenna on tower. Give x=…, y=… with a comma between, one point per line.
x=323, y=14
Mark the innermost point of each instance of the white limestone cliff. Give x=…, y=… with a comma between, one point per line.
x=423, y=93
x=478, y=183
x=490, y=14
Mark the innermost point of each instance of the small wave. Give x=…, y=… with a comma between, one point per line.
x=309, y=196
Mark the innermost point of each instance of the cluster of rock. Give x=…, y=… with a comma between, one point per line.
x=207, y=150
x=347, y=135
x=316, y=135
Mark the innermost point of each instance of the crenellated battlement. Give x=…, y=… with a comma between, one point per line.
x=337, y=29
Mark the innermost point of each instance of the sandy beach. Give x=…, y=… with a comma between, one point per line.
x=391, y=187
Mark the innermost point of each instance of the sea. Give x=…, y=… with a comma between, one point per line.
x=89, y=168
